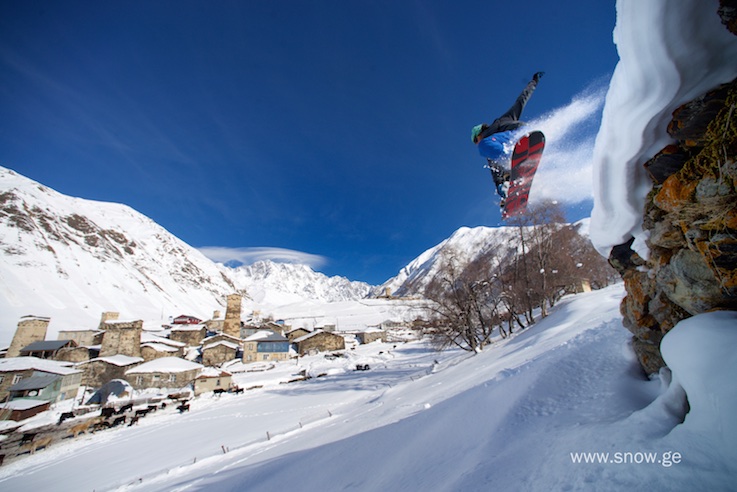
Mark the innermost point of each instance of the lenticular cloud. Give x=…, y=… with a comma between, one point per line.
x=249, y=256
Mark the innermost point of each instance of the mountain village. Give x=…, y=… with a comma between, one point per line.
x=92, y=379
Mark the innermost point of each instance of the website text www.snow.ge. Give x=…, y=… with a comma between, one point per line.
x=665, y=459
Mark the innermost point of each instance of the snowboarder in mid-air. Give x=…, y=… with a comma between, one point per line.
x=496, y=141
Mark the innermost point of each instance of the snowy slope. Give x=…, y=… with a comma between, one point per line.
x=510, y=418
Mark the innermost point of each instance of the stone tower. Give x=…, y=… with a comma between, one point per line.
x=122, y=337
x=30, y=329
x=107, y=316
x=232, y=324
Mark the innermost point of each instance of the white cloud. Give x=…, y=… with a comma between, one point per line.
x=566, y=173
x=248, y=256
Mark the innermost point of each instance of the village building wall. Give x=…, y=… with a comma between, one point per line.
x=30, y=329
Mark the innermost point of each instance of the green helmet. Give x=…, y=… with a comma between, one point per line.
x=475, y=132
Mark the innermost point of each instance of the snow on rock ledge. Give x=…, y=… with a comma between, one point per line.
x=668, y=56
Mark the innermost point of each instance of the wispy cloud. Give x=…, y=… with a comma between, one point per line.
x=247, y=256
x=566, y=173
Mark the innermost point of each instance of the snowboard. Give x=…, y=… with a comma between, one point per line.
x=525, y=159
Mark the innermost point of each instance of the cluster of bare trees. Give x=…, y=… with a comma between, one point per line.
x=528, y=272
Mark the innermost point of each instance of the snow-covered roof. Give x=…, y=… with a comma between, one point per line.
x=310, y=335
x=266, y=336
x=34, y=382
x=297, y=329
x=117, y=360
x=232, y=345
x=220, y=336
x=188, y=327
x=212, y=372
x=151, y=338
x=23, y=404
x=81, y=330
x=160, y=347
x=166, y=365
x=45, y=345
x=14, y=364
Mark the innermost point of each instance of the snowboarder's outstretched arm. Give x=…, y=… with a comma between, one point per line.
x=510, y=120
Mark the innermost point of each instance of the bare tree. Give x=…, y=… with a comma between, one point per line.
x=464, y=304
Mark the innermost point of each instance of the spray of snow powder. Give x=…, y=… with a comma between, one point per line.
x=565, y=174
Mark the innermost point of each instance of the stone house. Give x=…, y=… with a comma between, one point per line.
x=296, y=333
x=211, y=379
x=319, y=341
x=219, y=352
x=154, y=347
x=266, y=345
x=76, y=354
x=371, y=335
x=155, y=350
x=83, y=338
x=47, y=349
x=190, y=335
x=101, y=370
x=166, y=372
x=16, y=369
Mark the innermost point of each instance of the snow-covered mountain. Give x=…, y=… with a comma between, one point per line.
x=465, y=244
x=272, y=283
x=70, y=259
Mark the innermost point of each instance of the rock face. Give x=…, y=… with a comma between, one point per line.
x=691, y=217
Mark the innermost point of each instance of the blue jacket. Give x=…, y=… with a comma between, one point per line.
x=498, y=146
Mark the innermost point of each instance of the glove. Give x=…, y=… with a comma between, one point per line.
x=538, y=76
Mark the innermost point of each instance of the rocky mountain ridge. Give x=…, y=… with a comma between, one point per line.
x=71, y=259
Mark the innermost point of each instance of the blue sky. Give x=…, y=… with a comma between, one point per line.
x=335, y=132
